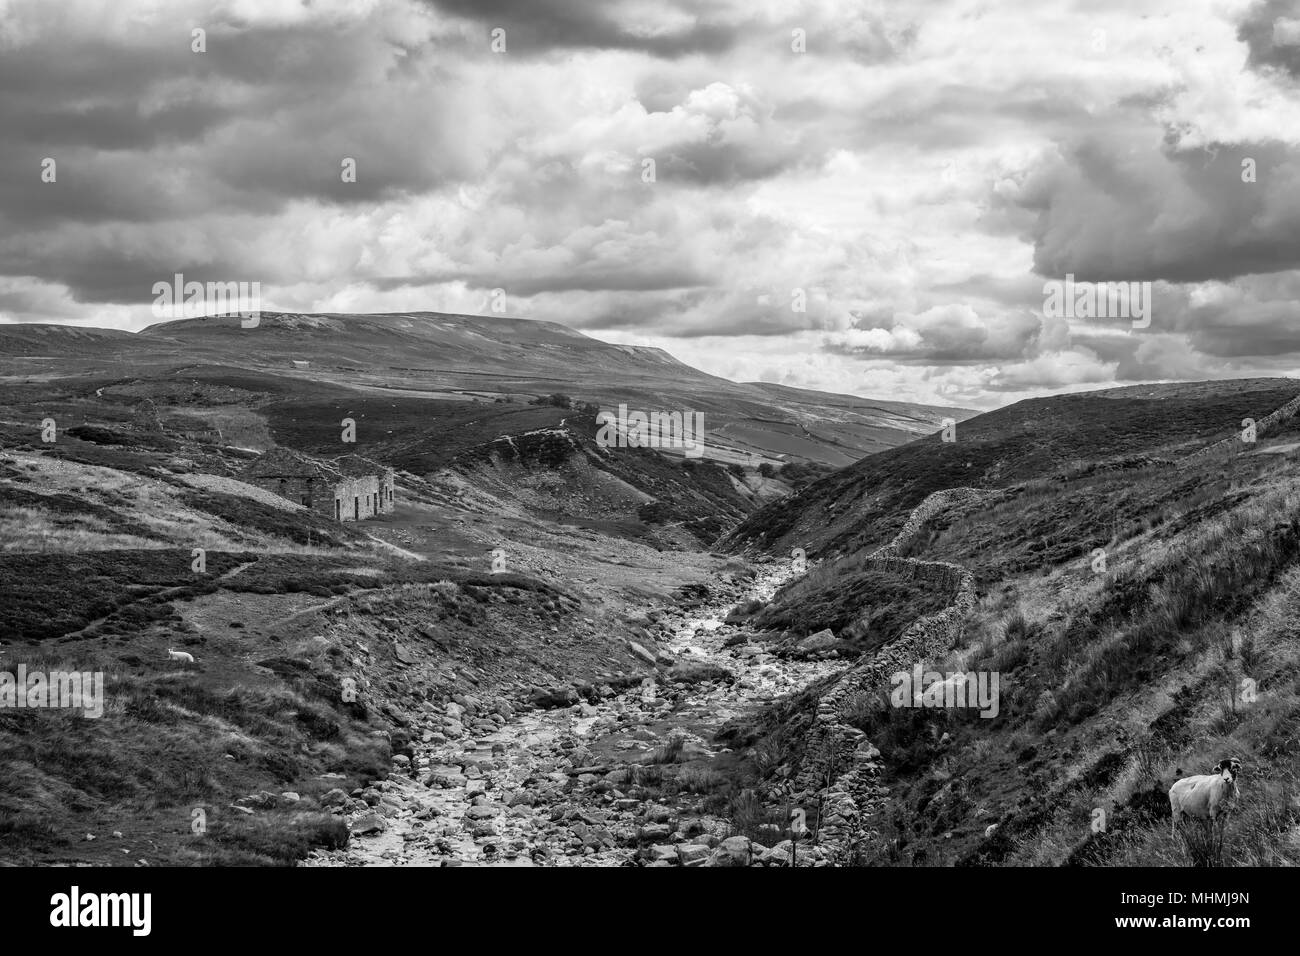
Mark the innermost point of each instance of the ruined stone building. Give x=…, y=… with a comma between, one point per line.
x=350, y=488
x=369, y=483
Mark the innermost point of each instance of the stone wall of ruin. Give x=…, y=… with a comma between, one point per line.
x=358, y=498
x=315, y=493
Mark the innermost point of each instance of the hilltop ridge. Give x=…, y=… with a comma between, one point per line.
x=448, y=356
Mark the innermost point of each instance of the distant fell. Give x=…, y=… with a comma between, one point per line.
x=470, y=357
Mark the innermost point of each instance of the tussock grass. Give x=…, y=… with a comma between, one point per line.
x=33, y=530
x=275, y=839
x=700, y=780
x=750, y=817
x=670, y=751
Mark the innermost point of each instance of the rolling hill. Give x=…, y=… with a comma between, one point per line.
x=462, y=357
x=865, y=504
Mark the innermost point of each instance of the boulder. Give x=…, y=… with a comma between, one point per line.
x=334, y=798
x=444, y=777
x=654, y=832
x=692, y=854
x=695, y=672
x=641, y=652
x=368, y=822
x=661, y=854
x=739, y=848
x=823, y=640
x=546, y=698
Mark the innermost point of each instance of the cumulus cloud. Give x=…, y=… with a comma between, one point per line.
x=1128, y=205
x=1271, y=31
x=1055, y=371
x=863, y=198
x=952, y=334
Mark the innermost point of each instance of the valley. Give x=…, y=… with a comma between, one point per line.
x=626, y=776
x=554, y=651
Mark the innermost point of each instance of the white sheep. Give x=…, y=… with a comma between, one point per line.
x=1206, y=795
x=180, y=656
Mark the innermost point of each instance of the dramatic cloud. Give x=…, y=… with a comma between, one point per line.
x=1129, y=207
x=864, y=198
x=1272, y=32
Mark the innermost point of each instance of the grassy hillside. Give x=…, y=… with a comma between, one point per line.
x=264, y=710
x=866, y=607
x=1118, y=675
x=101, y=530
x=463, y=358
x=865, y=504
x=1113, y=683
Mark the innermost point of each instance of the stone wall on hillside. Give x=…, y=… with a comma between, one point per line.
x=840, y=763
x=940, y=575
x=1233, y=443
x=933, y=506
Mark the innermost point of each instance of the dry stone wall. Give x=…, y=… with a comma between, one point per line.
x=840, y=764
x=929, y=509
x=1234, y=443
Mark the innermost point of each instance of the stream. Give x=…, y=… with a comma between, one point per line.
x=552, y=787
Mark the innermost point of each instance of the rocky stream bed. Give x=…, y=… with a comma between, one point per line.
x=493, y=784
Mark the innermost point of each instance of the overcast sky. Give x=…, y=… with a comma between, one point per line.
x=918, y=170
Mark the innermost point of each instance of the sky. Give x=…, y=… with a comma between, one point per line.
x=852, y=196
